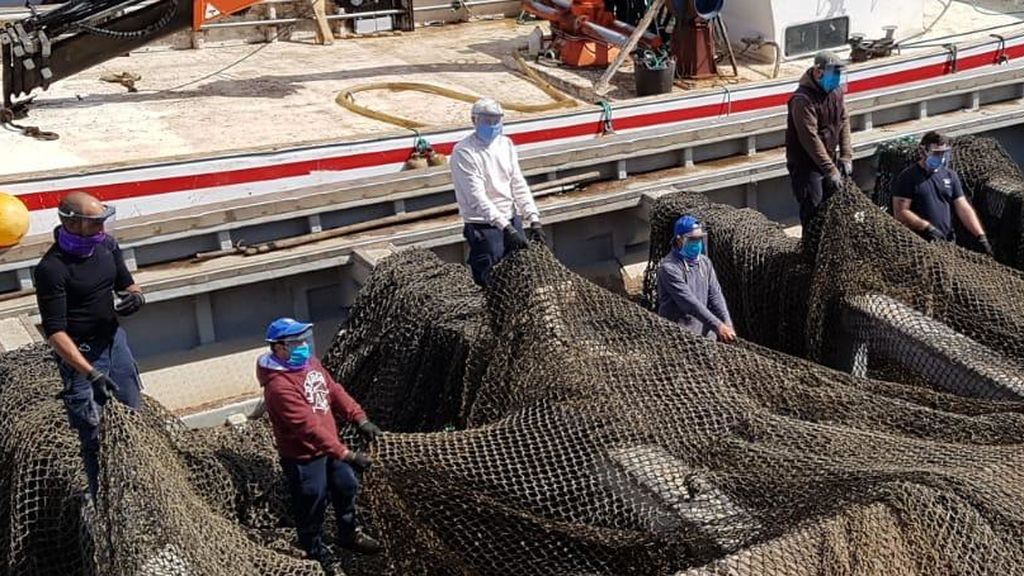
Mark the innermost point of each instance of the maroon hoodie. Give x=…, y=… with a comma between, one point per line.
x=302, y=405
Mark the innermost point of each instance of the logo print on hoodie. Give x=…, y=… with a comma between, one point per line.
x=316, y=391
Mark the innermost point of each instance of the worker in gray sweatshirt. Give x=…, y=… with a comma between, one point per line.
x=688, y=289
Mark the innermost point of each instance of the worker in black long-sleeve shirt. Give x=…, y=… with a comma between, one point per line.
x=75, y=284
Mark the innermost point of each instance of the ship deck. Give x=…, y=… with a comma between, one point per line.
x=237, y=96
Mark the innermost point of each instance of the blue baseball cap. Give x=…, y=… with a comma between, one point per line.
x=688, y=226
x=286, y=329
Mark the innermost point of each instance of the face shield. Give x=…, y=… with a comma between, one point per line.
x=692, y=245
x=937, y=156
x=306, y=337
x=89, y=225
x=487, y=126
x=487, y=119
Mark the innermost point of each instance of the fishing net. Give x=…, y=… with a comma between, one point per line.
x=992, y=181
x=173, y=501
x=862, y=293
x=410, y=352
x=592, y=437
x=605, y=440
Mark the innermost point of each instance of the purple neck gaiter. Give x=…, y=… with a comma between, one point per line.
x=80, y=246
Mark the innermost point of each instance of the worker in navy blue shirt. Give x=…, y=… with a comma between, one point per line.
x=75, y=284
x=926, y=194
x=688, y=289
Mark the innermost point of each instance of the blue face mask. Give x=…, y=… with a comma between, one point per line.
x=299, y=356
x=934, y=162
x=488, y=132
x=830, y=80
x=690, y=250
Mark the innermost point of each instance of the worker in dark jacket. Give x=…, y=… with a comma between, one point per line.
x=75, y=285
x=926, y=194
x=818, y=149
x=688, y=289
x=302, y=401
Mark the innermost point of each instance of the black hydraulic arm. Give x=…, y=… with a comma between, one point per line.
x=79, y=34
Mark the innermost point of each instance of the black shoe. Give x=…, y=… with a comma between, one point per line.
x=360, y=543
x=320, y=554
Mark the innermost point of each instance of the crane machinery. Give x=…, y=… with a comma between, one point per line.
x=49, y=46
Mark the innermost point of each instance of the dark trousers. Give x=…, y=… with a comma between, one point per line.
x=310, y=483
x=116, y=361
x=811, y=189
x=486, y=248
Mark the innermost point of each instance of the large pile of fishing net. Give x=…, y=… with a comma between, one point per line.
x=592, y=437
x=858, y=277
x=604, y=440
x=992, y=181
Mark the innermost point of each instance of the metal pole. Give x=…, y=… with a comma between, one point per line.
x=469, y=3
x=601, y=86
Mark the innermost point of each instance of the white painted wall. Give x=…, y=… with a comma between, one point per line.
x=770, y=18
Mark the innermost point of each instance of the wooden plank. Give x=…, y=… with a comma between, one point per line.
x=324, y=35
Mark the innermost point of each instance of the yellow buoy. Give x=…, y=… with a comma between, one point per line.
x=13, y=220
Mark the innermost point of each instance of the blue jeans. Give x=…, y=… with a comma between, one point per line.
x=486, y=248
x=116, y=361
x=310, y=483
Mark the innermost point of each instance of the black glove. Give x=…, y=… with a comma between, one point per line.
x=103, y=387
x=130, y=303
x=835, y=181
x=536, y=233
x=986, y=245
x=513, y=239
x=369, y=430
x=932, y=234
x=358, y=460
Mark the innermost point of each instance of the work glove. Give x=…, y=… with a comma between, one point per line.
x=358, y=460
x=835, y=180
x=986, y=245
x=932, y=234
x=130, y=303
x=536, y=233
x=514, y=240
x=103, y=388
x=846, y=167
x=369, y=430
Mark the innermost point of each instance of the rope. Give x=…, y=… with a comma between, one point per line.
x=7, y=121
x=346, y=99
x=654, y=60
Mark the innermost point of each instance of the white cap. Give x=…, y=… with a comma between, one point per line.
x=487, y=107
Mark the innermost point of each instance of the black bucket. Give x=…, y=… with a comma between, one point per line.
x=654, y=81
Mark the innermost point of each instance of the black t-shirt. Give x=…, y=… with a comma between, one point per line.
x=76, y=295
x=931, y=195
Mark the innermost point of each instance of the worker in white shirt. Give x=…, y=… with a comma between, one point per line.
x=492, y=194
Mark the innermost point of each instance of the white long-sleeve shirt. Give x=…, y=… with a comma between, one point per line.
x=488, y=182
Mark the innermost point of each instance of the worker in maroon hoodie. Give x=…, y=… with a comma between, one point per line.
x=302, y=401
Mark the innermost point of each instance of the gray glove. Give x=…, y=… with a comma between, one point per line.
x=369, y=430
x=514, y=240
x=846, y=167
x=103, y=388
x=130, y=303
x=358, y=460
